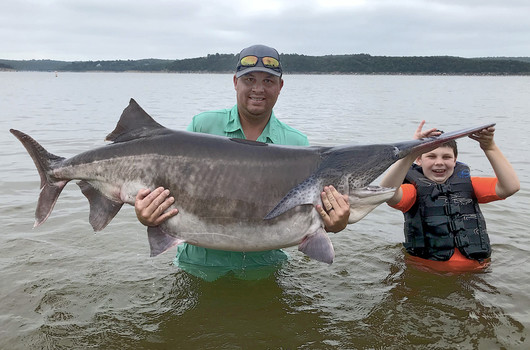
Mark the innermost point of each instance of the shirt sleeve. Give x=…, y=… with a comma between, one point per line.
x=484, y=188
x=408, y=199
x=191, y=126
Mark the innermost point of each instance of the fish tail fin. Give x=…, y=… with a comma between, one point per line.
x=50, y=188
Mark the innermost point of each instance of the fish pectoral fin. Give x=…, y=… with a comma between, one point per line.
x=160, y=241
x=306, y=192
x=318, y=246
x=102, y=209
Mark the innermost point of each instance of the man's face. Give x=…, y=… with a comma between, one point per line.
x=257, y=93
x=439, y=164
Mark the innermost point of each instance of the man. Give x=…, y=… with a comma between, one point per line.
x=258, y=82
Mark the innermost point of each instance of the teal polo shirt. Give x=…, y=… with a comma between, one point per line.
x=225, y=122
x=210, y=264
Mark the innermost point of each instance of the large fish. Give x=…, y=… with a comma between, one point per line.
x=231, y=194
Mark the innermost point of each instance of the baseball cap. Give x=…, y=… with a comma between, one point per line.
x=259, y=58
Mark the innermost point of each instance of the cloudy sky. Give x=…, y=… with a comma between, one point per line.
x=176, y=29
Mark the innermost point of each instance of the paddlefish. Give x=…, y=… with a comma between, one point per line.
x=232, y=194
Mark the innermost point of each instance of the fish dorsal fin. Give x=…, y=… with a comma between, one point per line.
x=135, y=123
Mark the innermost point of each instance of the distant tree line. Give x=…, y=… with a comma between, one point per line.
x=146, y=65
x=218, y=63
x=367, y=64
x=33, y=65
x=4, y=66
x=296, y=64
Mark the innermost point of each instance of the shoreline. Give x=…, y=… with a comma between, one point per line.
x=485, y=74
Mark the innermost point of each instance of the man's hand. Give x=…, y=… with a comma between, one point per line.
x=151, y=207
x=335, y=209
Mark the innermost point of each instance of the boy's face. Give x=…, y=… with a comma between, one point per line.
x=438, y=165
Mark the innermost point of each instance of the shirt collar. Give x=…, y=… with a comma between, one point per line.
x=269, y=135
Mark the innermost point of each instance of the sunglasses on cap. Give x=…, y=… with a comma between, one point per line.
x=252, y=61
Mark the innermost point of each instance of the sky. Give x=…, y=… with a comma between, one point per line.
x=82, y=30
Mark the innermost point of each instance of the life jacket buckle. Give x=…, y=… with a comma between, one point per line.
x=451, y=209
x=456, y=225
x=462, y=241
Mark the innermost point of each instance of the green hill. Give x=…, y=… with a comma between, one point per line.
x=296, y=64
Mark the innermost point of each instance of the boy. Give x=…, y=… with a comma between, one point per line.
x=444, y=227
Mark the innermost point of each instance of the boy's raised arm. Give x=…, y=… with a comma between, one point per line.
x=508, y=182
x=397, y=172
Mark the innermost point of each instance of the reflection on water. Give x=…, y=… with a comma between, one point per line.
x=65, y=287
x=446, y=312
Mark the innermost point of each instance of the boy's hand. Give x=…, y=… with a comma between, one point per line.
x=484, y=138
x=419, y=134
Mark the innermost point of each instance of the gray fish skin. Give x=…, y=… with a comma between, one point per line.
x=231, y=194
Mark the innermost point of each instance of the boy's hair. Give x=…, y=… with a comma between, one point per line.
x=451, y=144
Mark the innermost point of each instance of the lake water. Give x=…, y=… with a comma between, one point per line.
x=64, y=287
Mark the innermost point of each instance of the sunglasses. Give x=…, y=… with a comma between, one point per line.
x=252, y=61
